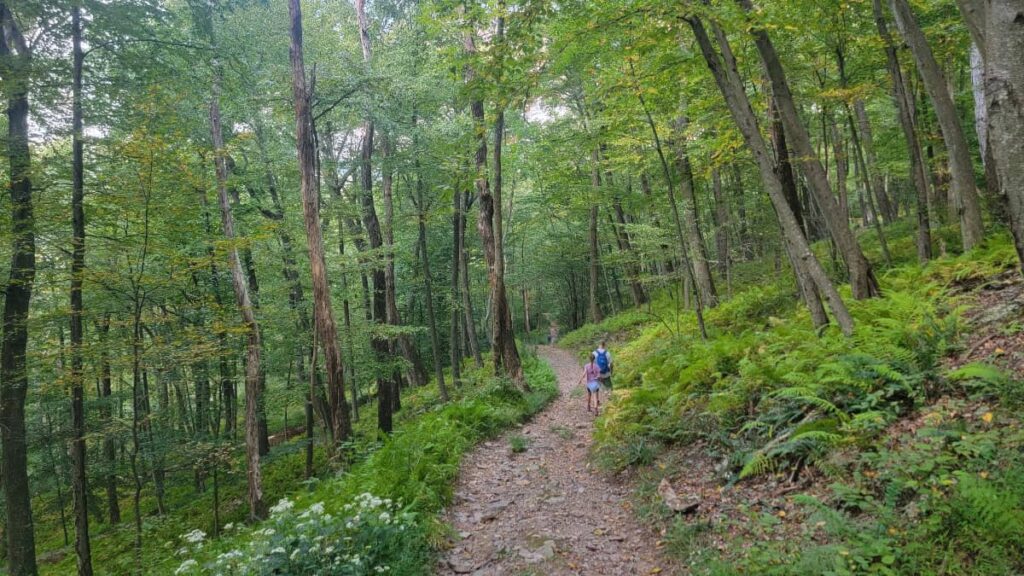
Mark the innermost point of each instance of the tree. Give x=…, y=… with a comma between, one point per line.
x=15, y=62
x=323, y=314
x=960, y=165
x=78, y=448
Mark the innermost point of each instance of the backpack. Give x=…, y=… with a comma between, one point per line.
x=602, y=361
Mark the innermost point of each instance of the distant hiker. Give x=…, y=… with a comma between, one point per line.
x=592, y=375
x=604, y=362
x=552, y=334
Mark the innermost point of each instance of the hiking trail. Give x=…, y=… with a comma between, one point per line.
x=546, y=510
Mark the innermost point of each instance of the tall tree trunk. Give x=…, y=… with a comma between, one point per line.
x=14, y=69
x=701, y=269
x=594, y=261
x=724, y=70
x=79, y=478
x=862, y=279
x=867, y=140
x=106, y=417
x=626, y=246
x=960, y=166
x=1004, y=96
x=670, y=191
x=997, y=199
x=455, y=325
x=906, y=116
x=435, y=344
x=489, y=224
x=323, y=314
x=472, y=338
x=842, y=167
x=721, y=222
x=245, y=307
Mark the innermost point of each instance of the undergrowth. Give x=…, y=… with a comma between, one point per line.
x=379, y=516
x=778, y=398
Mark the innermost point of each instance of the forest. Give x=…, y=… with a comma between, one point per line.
x=273, y=267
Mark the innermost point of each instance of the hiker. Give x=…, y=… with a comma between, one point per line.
x=552, y=334
x=604, y=364
x=592, y=374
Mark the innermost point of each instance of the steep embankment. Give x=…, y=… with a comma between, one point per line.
x=896, y=451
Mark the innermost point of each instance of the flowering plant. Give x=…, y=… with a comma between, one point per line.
x=371, y=536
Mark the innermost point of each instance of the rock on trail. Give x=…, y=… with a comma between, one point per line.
x=544, y=510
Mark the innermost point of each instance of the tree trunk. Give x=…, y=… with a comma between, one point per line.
x=670, y=191
x=14, y=69
x=455, y=325
x=245, y=308
x=862, y=279
x=724, y=70
x=323, y=314
x=702, y=271
x=106, y=417
x=960, y=166
x=721, y=222
x=594, y=260
x=906, y=116
x=1004, y=96
x=467, y=296
x=489, y=224
x=79, y=478
x=626, y=246
x=867, y=140
x=435, y=344
x=997, y=200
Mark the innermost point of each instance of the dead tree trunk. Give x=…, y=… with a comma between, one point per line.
x=323, y=314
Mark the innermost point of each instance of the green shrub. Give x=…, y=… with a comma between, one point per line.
x=413, y=469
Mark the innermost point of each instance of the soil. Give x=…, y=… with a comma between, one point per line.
x=546, y=510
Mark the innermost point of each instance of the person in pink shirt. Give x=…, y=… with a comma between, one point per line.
x=592, y=375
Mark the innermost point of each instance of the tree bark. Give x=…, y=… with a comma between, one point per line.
x=455, y=324
x=867, y=140
x=724, y=70
x=489, y=224
x=472, y=338
x=245, y=307
x=14, y=68
x=1004, y=96
x=595, y=257
x=79, y=478
x=862, y=279
x=435, y=344
x=702, y=271
x=323, y=314
x=960, y=166
x=721, y=222
x=906, y=116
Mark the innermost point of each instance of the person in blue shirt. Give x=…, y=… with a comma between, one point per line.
x=603, y=359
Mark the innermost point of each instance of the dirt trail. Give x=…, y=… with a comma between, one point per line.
x=545, y=511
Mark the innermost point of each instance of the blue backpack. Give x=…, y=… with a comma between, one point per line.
x=602, y=361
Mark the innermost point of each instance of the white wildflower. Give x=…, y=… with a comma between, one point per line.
x=278, y=550
x=294, y=554
x=186, y=567
x=283, y=505
x=194, y=537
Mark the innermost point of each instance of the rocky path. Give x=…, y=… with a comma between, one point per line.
x=544, y=510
